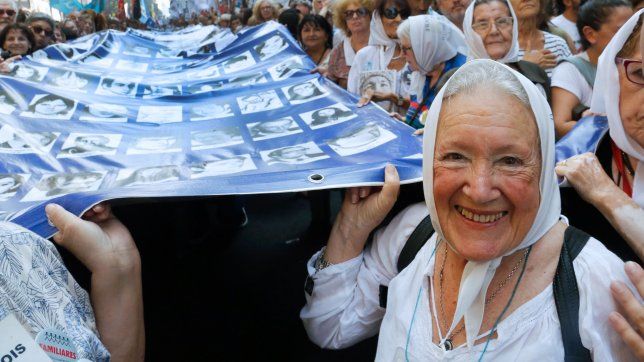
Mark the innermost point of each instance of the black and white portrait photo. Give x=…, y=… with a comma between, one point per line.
x=155, y=91
x=10, y=184
x=28, y=72
x=131, y=66
x=246, y=80
x=147, y=175
x=328, y=116
x=96, y=61
x=239, y=62
x=104, y=112
x=71, y=80
x=381, y=81
x=117, y=86
x=214, y=138
x=287, y=68
x=14, y=142
x=59, y=184
x=86, y=145
x=7, y=103
x=222, y=166
x=50, y=106
x=139, y=51
x=160, y=114
x=205, y=112
x=158, y=144
x=259, y=102
x=361, y=139
x=272, y=129
x=270, y=47
x=294, y=155
x=304, y=92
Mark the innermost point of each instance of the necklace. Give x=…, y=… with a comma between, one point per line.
x=448, y=345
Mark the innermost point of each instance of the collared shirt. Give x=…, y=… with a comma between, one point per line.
x=344, y=306
x=36, y=287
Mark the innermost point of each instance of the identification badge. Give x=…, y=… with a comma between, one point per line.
x=57, y=345
x=16, y=344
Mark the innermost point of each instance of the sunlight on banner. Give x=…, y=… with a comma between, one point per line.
x=196, y=112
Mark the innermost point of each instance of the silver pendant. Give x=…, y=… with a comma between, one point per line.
x=447, y=345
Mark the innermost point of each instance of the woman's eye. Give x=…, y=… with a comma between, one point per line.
x=453, y=157
x=511, y=161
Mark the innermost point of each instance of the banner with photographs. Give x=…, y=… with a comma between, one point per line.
x=198, y=112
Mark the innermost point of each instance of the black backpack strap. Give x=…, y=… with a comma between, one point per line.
x=416, y=241
x=566, y=295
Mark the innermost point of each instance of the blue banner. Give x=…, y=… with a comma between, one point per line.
x=69, y=6
x=197, y=112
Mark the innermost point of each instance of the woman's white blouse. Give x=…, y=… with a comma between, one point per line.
x=343, y=308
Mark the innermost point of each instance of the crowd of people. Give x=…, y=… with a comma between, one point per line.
x=496, y=245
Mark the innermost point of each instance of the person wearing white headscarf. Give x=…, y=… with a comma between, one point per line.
x=430, y=49
x=383, y=54
x=497, y=37
x=481, y=286
x=612, y=181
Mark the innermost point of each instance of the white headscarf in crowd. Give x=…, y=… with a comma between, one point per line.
x=377, y=36
x=475, y=43
x=430, y=40
x=606, y=101
x=478, y=274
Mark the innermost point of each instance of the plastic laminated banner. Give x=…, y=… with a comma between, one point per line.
x=192, y=113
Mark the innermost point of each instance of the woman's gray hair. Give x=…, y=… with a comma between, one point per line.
x=474, y=76
x=404, y=30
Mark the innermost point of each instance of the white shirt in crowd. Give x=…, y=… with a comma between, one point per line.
x=343, y=308
x=556, y=45
x=569, y=27
x=566, y=76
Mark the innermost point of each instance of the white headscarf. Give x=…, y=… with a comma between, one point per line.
x=606, y=101
x=475, y=43
x=431, y=42
x=478, y=274
x=378, y=37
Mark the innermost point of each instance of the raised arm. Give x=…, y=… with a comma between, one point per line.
x=105, y=247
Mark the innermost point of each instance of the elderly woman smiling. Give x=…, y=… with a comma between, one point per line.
x=481, y=286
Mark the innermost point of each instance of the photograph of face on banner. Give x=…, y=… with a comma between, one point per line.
x=272, y=129
x=7, y=104
x=304, y=92
x=117, y=86
x=328, y=116
x=270, y=47
x=86, y=145
x=103, y=112
x=381, y=81
x=10, y=184
x=205, y=112
x=28, y=72
x=213, y=138
x=239, y=62
x=36, y=142
x=294, y=155
x=159, y=144
x=259, y=102
x=247, y=80
x=53, y=185
x=203, y=87
x=155, y=91
x=160, y=114
x=71, y=80
x=96, y=61
x=147, y=175
x=222, y=166
x=361, y=139
x=50, y=106
x=286, y=68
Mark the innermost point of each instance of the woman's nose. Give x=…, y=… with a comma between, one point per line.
x=480, y=185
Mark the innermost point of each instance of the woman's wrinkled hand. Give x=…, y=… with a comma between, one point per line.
x=371, y=95
x=630, y=325
x=99, y=240
x=363, y=209
x=323, y=71
x=586, y=175
x=542, y=57
x=5, y=64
